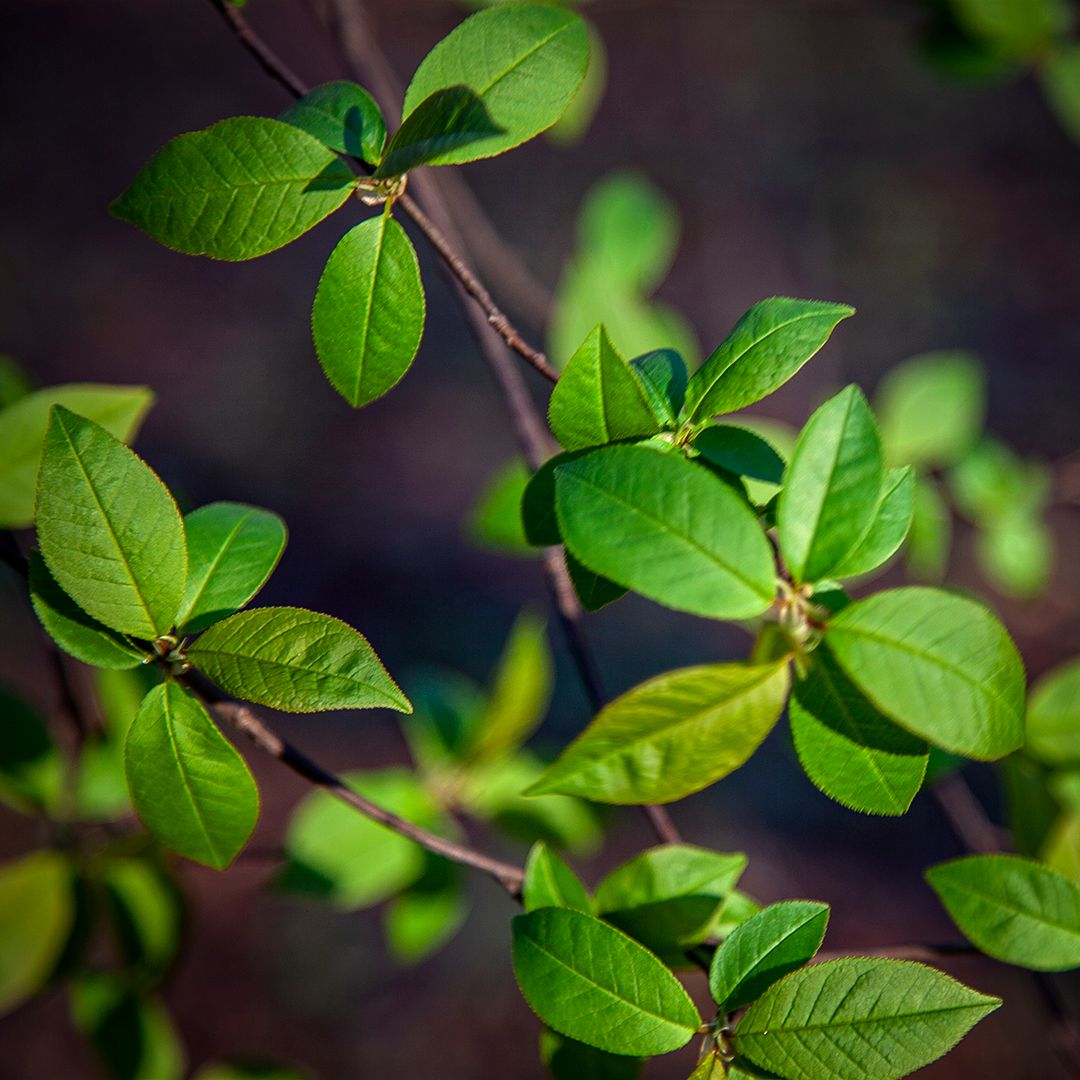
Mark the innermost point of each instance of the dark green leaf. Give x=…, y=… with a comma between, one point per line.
x=295, y=660
x=593, y=590
x=446, y=710
x=232, y=551
x=591, y=982
x=831, y=487
x=766, y=347
x=342, y=116
x=769, y=945
x=568, y=1059
x=1013, y=909
x=368, y=315
x=739, y=451
x=14, y=383
x=524, y=61
x=940, y=665
x=108, y=528
x=190, y=788
x=672, y=735
x=549, y=882
x=848, y=747
x=32, y=769
x=662, y=374
x=240, y=188
x=668, y=529
x=858, y=1019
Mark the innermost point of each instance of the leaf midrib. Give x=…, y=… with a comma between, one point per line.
x=866, y=1021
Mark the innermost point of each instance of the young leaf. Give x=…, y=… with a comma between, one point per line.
x=190, y=788
x=423, y=918
x=764, y=349
x=238, y=189
x=668, y=529
x=662, y=374
x=740, y=451
x=940, y=665
x=593, y=590
x=858, y=1019
x=889, y=528
x=831, y=486
x=672, y=735
x=849, y=748
x=549, y=882
x=524, y=61
x=931, y=409
x=520, y=691
x=232, y=551
x=599, y=398
x=72, y=629
x=591, y=982
x=108, y=528
x=1013, y=909
x=368, y=315
x=118, y=409
x=435, y=131
x=37, y=910
x=776, y=941
x=1053, y=716
x=342, y=116
x=341, y=856
x=669, y=897
x=568, y=1059
x=32, y=769
x=295, y=660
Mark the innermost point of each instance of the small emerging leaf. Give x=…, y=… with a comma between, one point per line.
x=549, y=882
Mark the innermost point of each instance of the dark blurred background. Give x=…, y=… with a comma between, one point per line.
x=810, y=151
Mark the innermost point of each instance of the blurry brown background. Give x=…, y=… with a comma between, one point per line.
x=811, y=152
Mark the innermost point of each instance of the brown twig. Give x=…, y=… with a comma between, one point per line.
x=966, y=816
x=244, y=720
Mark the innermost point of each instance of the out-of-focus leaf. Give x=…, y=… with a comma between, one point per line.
x=1014, y=28
x=13, y=381
x=1016, y=553
x=1053, y=716
x=992, y=482
x=31, y=767
x=931, y=532
x=146, y=909
x=427, y=914
x=1059, y=74
x=571, y=127
x=495, y=521
x=446, y=710
x=568, y=1059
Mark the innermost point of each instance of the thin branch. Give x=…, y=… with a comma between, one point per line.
x=966, y=816
x=245, y=721
x=268, y=60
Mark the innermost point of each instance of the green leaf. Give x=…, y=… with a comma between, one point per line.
x=538, y=518
x=108, y=528
x=889, y=527
x=859, y=1019
x=495, y=521
x=568, y=1059
x=662, y=374
x=342, y=116
x=32, y=769
x=591, y=982
x=766, y=347
x=14, y=383
x=237, y=189
x=188, y=785
x=146, y=910
x=669, y=897
x=339, y=855
x=672, y=735
x=831, y=487
x=668, y=529
x=132, y=1036
x=1014, y=28
x=940, y=665
x=711, y=1067
x=1013, y=909
x=1059, y=74
x=931, y=532
x=525, y=62
x=739, y=451
x=931, y=409
x=849, y=748
x=736, y=910
x=520, y=691
x=549, y=882
x=295, y=660
x=769, y=945
x=1053, y=716
x=1031, y=808
x=232, y=551
x=631, y=229
x=72, y=629
x=1016, y=553
x=493, y=792
x=427, y=914
x=599, y=398
x=118, y=409
x=593, y=590
x=992, y=482
x=368, y=315
x=37, y=911
x=446, y=709
x=437, y=130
